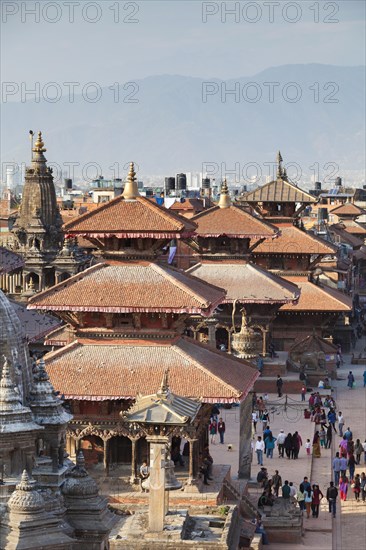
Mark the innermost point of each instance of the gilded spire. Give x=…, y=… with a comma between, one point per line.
x=225, y=200
x=131, y=191
x=279, y=165
x=39, y=145
x=38, y=158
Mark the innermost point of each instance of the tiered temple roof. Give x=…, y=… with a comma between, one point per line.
x=101, y=370
x=247, y=282
x=279, y=190
x=293, y=240
x=130, y=287
x=348, y=210
x=315, y=298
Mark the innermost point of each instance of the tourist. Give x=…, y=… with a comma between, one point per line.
x=288, y=445
x=259, y=449
x=221, y=429
x=306, y=484
x=315, y=503
x=296, y=444
x=343, y=465
x=308, y=501
x=343, y=446
x=143, y=474
x=316, y=445
x=322, y=435
x=267, y=432
x=332, y=419
x=255, y=420
x=348, y=434
x=340, y=423
x=286, y=490
x=270, y=445
x=364, y=378
x=358, y=451
x=329, y=437
x=279, y=384
x=303, y=393
x=343, y=487
x=262, y=476
x=300, y=496
x=363, y=486
x=364, y=450
x=336, y=468
x=281, y=443
x=260, y=529
x=292, y=490
x=276, y=482
x=356, y=487
x=213, y=431
x=265, y=418
x=308, y=447
x=323, y=418
x=332, y=494
x=260, y=364
x=351, y=466
x=350, y=380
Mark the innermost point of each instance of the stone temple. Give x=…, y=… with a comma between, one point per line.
x=46, y=501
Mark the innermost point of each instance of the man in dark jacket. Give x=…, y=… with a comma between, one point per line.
x=332, y=494
x=279, y=384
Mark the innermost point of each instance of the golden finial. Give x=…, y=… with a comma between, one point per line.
x=279, y=165
x=131, y=191
x=39, y=145
x=225, y=200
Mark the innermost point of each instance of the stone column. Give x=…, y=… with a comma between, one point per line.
x=264, y=348
x=211, y=326
x=193, y=459
x=245, y=453
x=158, y=446
x=133, y=461
x=106, y=456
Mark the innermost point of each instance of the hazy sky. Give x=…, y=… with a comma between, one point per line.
x=171, y=37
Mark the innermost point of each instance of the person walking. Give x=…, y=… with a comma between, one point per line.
x=270, y=445
x=308, y=447
x=356, y=487
x=303, y=393
x=281, y=443
x=340, y=423
x=329, y=437
x=259, y=449
x=213, y=431
x=336, y=468
x=343, y=465
x=265, y=419
x=343, y=488
x=350, y=380
x=351, y=466
x=358, y=451
x=221, y=429
x=322, y=436
x=363, y=486
x=343, y=446
x=288, y=445
x=255, y=420
x=276, y=482
x=308, y=500
x=315, y=503
x=316, y=445
x=296, y=444
x=348, y=433
x=279, y=384
x=332, y=419
x=332, y=494
x=338, y=360
x=300, y=496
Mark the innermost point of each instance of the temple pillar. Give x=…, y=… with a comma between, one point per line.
x=193, y=459
x=264, y=343
x=245, y=452
x=211, y=326
x=106, y=456
x=158, y=445
x=133, y=477
x=229, y=341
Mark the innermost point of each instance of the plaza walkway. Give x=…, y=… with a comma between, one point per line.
x=348, y=530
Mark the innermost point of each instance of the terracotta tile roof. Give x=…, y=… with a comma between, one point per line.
x=127, y=287
x=233, y=222
x=293, y=240
x=100, y=370
x=338, y=230
x=246, y=282
x=61, y=336
x=317, y=298
x=348, y=209
x=188, y=204
x=9, y=261
x=313, y=343
x=353, y=228
x=131, y=218
x=279, y=190
x=35, y=325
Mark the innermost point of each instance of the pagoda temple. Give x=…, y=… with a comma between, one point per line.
x=129, y=314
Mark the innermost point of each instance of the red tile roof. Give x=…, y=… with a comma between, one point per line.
x=130, y=287
x=232, y=222
x=131, y=218
x=9, y=261
x=353, y=228
x=348, y=209
x=279, y=190
x=246, y=282
x=338, y=230
x=317, y=298
x=98, y=370
x=295, y=241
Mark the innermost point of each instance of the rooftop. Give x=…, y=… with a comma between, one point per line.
x=9, y=261
x=279, y=190
x=246, y=282
x=130, y=287
x=233, y=222
x=99, y=370
x=293, y=240
x=317, y=298
x=348, y=209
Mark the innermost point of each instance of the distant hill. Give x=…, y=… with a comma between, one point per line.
x=171, y=128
